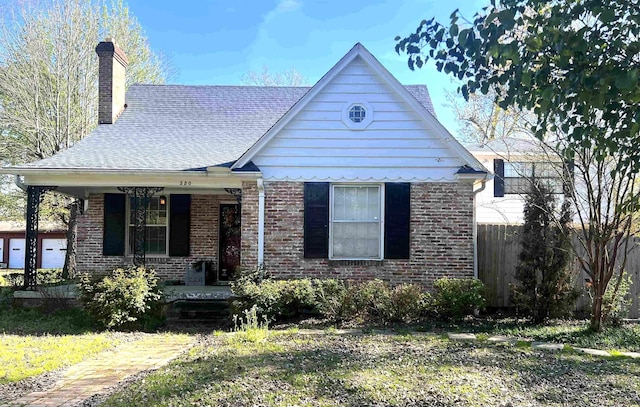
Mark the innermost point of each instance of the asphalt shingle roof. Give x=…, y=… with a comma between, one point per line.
x=177, y=127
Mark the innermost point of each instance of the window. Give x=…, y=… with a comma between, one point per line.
x=518, y=176
x=356, y=222
x=357, y=113
x=156, y=227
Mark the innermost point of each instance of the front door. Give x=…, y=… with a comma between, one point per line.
x=229, y=241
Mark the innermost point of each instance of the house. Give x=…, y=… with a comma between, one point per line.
x=514, y=161
x=51, y=245
x=352, y=178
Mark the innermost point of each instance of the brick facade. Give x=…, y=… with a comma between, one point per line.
x=203, y=238
x=441, y=236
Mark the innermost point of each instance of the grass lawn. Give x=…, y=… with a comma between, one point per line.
x=286, y=368
x=32, y=343
x=27, y=356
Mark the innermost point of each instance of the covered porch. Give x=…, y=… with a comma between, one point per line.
x=187, y=226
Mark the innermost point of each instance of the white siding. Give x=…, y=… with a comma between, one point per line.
x=497, y=210
x=397, y=145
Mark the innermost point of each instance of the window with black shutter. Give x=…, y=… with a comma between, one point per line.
x=179, y=224
x=316, y=220
x=114, y=224
x=345, y=221
x=397, y=239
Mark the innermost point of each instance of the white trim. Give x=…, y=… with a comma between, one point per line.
x=381, y=222
x=260, y=222
x=405, y=95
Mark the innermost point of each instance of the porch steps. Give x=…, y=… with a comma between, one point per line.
x=199, y=310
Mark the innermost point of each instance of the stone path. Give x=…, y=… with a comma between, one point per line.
x=456, y=336
x=95, y=375
x=544, y=346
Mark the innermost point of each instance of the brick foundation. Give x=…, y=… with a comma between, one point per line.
x=204, y=239
x=441, y=236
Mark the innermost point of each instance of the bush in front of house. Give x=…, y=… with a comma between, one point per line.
x=122, y=297
x=336, y=300
x=455, y=298
x=275, y=299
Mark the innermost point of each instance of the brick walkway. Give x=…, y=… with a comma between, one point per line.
x=95, y=375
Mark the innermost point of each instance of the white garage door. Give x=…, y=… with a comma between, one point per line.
x=16, y=253
x=53, y=252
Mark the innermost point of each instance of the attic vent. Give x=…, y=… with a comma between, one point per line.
x=357, y=113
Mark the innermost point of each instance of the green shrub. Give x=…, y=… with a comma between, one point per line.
x=458, y=297
x=616, y=307
x=123, y=296
x=369, y=301
x=373, y=300
x=49, y=276
x=408, y=303
x=334, y=300
x=275, y=299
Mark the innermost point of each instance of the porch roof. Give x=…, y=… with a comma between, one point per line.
x=182, y=128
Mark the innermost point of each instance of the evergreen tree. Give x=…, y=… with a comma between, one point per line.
x=545, y=290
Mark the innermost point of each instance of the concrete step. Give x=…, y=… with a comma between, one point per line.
x=199, y=310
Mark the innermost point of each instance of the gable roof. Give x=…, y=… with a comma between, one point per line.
x=506, y=145
x=359, y=50
x=182, y=128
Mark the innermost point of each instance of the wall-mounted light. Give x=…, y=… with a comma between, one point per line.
x=163, y=200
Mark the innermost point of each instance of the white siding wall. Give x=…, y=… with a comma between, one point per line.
x=497, y=210
x=397, y=145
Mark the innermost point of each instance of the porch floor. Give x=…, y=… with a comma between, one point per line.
x=205, y=292
x=171, y=293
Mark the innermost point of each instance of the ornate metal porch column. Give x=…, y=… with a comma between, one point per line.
x=141, y=197
x=236, y=192
x=34, y=198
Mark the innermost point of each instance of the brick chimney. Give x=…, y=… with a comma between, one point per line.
x=111, y=81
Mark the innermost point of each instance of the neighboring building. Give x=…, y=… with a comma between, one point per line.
x=513, y=161
x=51, y=245
x=352, y=178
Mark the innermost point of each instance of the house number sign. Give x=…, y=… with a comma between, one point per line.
x=185, y=183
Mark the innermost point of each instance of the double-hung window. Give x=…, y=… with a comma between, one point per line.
x=156, y=228
x=518, y=176
x=356, y=227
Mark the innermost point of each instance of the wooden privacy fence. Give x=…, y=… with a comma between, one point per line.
x=498, y=251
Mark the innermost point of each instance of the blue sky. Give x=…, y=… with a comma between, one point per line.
x=216, y=42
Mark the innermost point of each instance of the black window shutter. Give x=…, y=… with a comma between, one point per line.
x=114, y=224
x=397, y=220
x=498, y=180
x=316, y=220
x=179, y=224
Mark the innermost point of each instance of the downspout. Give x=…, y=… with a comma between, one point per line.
x=19, y=183
x=475, y=228
x=260, y=223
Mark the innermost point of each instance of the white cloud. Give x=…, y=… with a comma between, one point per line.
x=283, y=6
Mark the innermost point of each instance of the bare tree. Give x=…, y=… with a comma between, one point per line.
x=49, y=80
x=482, y=120
x=266, y=78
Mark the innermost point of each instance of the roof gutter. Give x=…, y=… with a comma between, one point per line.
x=132, y=172
x=19, y=183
